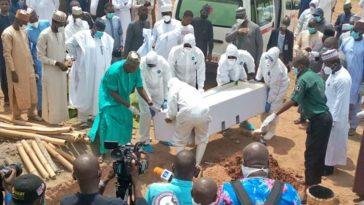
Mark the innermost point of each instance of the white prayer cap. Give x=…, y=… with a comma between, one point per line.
x=347, y=2
x=231, y=50
x=190, y=39
x=59, y=16
x=166, y=8
x=76, y=10
x=330, y=55
x=346, y=27
x=151, y=58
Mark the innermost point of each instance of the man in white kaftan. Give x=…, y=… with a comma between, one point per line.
x=92, y=52
x=75, y=23
x=52, y=52
x=328, y=6
x=44, y=8
x=337, y=92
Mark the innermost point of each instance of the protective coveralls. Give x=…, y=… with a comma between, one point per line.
x=168, y=40
x=155, y=75
x=166, y=24
x=305, y=17
x=187, y=107
x=233, y=69
x=188, y=63
x=274, y=73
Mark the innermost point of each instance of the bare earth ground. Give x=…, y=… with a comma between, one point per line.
x=223, y=151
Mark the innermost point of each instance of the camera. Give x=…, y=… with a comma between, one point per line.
x=123, y=157
x=6, y=170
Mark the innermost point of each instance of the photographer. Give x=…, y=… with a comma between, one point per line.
x=7, y=185
x=28, y=189
x=87, y=172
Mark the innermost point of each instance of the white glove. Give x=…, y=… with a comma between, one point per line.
x=268, y=121
x=133, y=110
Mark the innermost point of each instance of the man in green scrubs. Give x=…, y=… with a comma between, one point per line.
x=309, y=94
x=115, y=119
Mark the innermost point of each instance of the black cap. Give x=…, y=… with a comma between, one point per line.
x=27, y=188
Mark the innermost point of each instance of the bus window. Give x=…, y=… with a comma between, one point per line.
x=223, y=11
x=292, y=4
x=262, y=12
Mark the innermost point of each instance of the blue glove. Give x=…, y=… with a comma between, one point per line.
x=164, y=105
x=267, y=107
x=152, y=112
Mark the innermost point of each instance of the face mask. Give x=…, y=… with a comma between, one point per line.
x=247, y=171
x=231, y=61
x=143, y=17
x=109, y=15
x=204, y=16
x=61, y=29
x=78, y=22
x=355, y=35
x=187, y=49
x=239, y=21
x=23, y=27
x=312, y=9
x=312, y=30
x=268, y=62
x=327, y=70
x=295, y=71
x=99, y=34
x=318, y=18
x=167, y=18
x=35, y=24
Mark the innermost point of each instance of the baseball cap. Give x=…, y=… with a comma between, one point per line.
x=27, y=188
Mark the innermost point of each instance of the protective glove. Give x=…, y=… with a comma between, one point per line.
x=268, y=121
x=152, y=112
x=134, y=110
x=267, y=107
x=164, y=105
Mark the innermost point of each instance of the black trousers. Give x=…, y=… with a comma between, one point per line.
x=318, y=133
x=3, y=78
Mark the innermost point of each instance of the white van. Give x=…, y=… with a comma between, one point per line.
x=265, y=13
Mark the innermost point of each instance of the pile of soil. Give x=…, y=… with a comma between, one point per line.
x=233, y=168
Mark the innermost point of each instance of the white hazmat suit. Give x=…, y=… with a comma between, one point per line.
x=274, y=73
x=188, y=64
x=337, y=92
x=305, y=17
x=155, y=75
x=166, y=24
x=234, y=69
x=187, y=107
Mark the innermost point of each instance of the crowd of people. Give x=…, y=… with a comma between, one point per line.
x=93, y=55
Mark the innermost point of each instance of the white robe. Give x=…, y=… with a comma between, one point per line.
x=338, y=98
x=122, y=9
x=44, y=8
x=52, y=48
x=327, y=6
x=72, y=28
x=92, y=58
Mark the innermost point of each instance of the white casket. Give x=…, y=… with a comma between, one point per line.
x=229, y=104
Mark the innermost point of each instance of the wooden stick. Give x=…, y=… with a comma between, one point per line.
x=64, y=154
x=35, y=159
x=17, y=134
x=38, y=130
x=58, y=157
x=42, y=159
x=28, y=163
x=47, y=156
x=8, y=119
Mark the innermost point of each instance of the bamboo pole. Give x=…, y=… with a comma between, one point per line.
x=37, y=130
x=58, y=157
x=42, y=159
x=7, y=119
x=64, y=154
x=17, y=134
x=47, y=156
x=35, y=159
x=28, y=163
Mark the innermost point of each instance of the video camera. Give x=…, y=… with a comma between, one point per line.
x=124, y=156
x=6, y=170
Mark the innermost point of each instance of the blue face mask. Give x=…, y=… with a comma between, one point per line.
x=99, y=34
x=318, y=19
x=109, y=15
x=355, y=35
x=312, y=30
x=295, y=71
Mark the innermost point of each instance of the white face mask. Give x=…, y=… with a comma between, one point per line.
x=23, y=27
x=61, y=29
x=78, y=22
x=327, y=70
x=35, y=24
x=247, y=171
x=231, y=61
x=240, y=21
x=312, y=9
x=187, y=49
x=268, y=63
x=167, y=18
